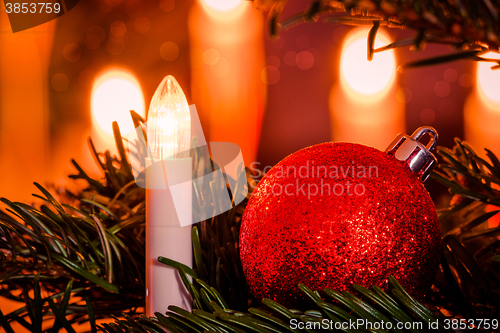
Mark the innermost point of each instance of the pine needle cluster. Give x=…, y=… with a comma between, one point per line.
x=81, y=257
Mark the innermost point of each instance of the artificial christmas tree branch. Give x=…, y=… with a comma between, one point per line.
x=81, y=257
x=470, y=244
x=470, y=27
x=211, y=313
x=95, y=245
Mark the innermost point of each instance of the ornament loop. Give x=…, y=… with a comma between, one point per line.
x=417, y=157
x=423, y=130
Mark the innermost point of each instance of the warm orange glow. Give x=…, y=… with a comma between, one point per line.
x=363, y=78
x=488, y=81
x=114, y=94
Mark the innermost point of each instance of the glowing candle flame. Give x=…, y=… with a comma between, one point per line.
x=360, y=76
x=222, y=5
x=169, y=122
x=488, y=81
x=114, y=94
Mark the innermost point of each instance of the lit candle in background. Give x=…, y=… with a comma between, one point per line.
x=168, y=196
x=227, y=57
x=363, y=104
x=482, y=109
x=482, y=115
x=24, y=116
x=115, y=92
x=24, y=109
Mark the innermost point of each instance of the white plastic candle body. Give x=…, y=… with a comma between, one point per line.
x=164, y=235
x=168, y=196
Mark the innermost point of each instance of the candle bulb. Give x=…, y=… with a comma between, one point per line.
x=169, y=122
x=168, y=196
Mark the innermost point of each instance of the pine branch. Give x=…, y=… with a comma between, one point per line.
x=93, y=250
x=94, y=245
x=469, y=269
x=211, y=312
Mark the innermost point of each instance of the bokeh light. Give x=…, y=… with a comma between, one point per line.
x=211, y=56
x=167, y=5
x=114, y=94
x=72, y=52
x=450, y=74
x=363, y=77
x=404, y=95
x=86, y=77
x=273, y=61
x=60, y=82
x=427, y=116
x=304, y=60
x=442, y=88
x=465, y=80
x=270, y=75
x=142, y=25
x=488, y=80
x=169, y=51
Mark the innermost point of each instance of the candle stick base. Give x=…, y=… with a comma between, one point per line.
x=168, y=232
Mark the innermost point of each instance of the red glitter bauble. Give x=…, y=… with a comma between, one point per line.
x=335, y=214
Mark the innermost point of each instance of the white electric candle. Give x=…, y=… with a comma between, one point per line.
x=168, y=196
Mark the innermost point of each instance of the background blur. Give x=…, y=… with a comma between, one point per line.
x=283, y=86
x=270, y=96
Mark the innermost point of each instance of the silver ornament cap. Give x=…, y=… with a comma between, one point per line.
x=417, y=157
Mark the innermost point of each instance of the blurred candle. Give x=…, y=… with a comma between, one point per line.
x=24, y=109
x=482, y=116
x=363, y=104
x=227, y=57
x=24, y=117
x=482, y=109
x=115, y=92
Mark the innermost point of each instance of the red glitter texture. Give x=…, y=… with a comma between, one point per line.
x=362, y=228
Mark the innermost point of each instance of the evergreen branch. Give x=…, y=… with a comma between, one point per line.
x=82, y=252
x=400, y=308
x=469, y=244
x=93, y=248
